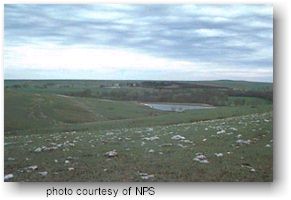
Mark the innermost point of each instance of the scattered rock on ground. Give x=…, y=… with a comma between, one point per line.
x=220, y=132
x=38, y=149
x=152, y=138
x=201, y=158
x=8, y=176
x=246, y=165
x=32, y=167
x=178, y=137
x=43, y=173
x=241, y=142
x=112, y=153
x=218, y=154
x=151, y=151
x=146, y=176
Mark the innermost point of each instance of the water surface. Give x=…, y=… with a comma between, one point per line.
x=177, y=107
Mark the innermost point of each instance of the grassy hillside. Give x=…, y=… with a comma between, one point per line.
x=236, y=149
x=39, y=111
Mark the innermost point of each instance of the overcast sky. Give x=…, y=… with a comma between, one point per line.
x=156, y=42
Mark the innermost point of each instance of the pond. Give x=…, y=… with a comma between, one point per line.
x=177, y=107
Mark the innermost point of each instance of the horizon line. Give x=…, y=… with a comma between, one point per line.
x=48, y=79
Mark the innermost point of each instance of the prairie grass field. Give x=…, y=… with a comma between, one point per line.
x=78, y=130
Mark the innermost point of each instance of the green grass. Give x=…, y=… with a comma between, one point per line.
x=248, y=101
x=85, y=152
x=41, y=111
x=240, y=85
x=45, y=113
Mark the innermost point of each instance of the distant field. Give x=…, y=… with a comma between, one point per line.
x=240, y=85
x=66, y=127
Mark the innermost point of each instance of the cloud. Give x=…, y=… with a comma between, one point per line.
x=140, y=37
x=74, y=57
x=203, y=32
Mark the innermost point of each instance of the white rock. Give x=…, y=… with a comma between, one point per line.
x=252, y=170
x=201, y=158
x=33, y=167
x=267, y=145
x=218, y=154
x=146, y=176
x=152, y=138
x=43, y=173
x=220, y=132
x=204, y=140
x=151, y=151
x=109, y=133
x=39, y=149
x=201, y=161
x=177, y=137
x=71, y=168
x=8, y=176
x=149, y=129
x=241, y=142
x=112, y=153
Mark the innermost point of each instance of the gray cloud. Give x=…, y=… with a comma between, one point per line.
x=223, y=34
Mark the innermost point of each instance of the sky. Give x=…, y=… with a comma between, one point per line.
x=138, y=42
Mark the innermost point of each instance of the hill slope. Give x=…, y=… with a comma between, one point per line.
x=26, y=110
